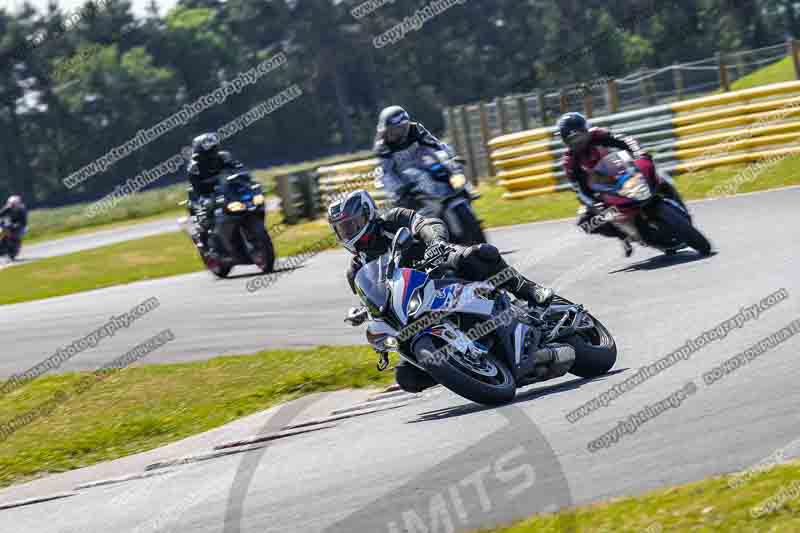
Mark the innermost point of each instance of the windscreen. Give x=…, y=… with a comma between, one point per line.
x=607, y=171
x=371, y=286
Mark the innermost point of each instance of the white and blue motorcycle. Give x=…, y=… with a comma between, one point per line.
x=470, y=336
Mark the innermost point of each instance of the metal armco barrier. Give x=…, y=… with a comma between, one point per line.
x=708, y=132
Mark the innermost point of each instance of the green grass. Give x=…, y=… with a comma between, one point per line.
x=148, y=205
x=780, y=71
x=171, y=254
x=704, y=506
x=144, y=407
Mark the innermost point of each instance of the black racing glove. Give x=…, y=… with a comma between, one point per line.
x=438, y=248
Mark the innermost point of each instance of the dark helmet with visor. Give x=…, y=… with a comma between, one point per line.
x=206, y=144
x=574, y=131
x=394, y=124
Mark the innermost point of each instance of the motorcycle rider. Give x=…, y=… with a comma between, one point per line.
x=17, y=215
x=586, y=146
x=207, y=162
x=367, y=235
x=397, y=141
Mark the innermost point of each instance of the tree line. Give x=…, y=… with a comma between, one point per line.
x=76, y=84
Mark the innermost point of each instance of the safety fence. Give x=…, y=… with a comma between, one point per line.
x=712, y=131
x=497, y=141
x=471, y=126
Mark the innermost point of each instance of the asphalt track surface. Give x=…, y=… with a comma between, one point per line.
x=87, y=241
x=440, y=457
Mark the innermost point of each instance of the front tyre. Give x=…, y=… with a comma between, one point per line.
x=488, y=382
x=263, y=253
x=471, y=231
x=683, y=228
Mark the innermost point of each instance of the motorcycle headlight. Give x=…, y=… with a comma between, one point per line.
x=258, y=199
x=458, y=180
x=391, y=342
x=636, y=188
x=414, y=303
x=236, y=206
x=383, y=342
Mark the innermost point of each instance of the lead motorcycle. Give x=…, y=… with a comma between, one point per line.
x=440, y=190
x=238, y=219
x=640, y=209
x=471, y=337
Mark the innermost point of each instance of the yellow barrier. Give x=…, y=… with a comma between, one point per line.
x=525, y=149
x=693, y=118
x=355, y=167
x=730, y=122
x=736, y=96
x=734, y=159
x=527, y=171
x=514, y=139
x=708, y=140
x=786, y=138
x=525, y=160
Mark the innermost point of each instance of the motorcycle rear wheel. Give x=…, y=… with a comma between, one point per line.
x=595, y=349
x=447, y=371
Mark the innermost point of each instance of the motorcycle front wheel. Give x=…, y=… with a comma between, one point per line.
x=263, y=253
x=486, y=380
x=682, y=228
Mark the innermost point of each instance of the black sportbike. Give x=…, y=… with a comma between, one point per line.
x=232, y=220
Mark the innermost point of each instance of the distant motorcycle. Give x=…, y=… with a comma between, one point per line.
x=646, y=215
x=471, y=337
x=440, y=190
x=10, y=240
x=238, y=220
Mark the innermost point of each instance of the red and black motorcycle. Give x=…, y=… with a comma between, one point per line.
x=643, y=206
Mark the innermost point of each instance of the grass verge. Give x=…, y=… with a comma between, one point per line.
x=144, y=407
x=172, y=253
x=707, y=505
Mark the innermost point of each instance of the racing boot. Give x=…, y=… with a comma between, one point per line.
x=527, y=290
x=627, y=247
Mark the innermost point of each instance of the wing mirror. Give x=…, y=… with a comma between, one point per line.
x=401, y=242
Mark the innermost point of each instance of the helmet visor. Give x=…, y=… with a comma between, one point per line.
x=397, y=132
x=350, y=228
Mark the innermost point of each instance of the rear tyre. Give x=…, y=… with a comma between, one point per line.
x=595, y=351
x=683, y=228
x=449, y=372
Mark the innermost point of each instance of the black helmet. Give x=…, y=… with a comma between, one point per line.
x=574, y=130
x=207, y=143
x=353, y=219
x=394, y=124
